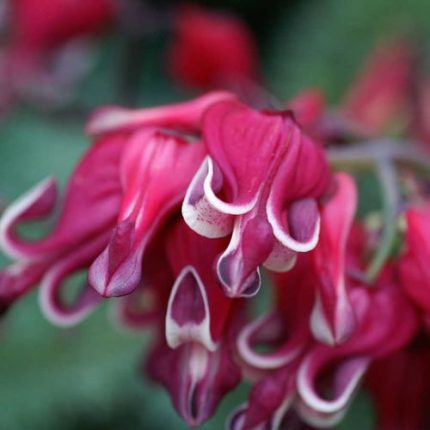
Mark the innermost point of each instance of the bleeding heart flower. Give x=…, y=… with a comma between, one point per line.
x=193, y=360
x=261, y=181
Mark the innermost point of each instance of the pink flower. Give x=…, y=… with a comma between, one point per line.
x=193, y=357
x=39, y=30
x=382, y=90
x=413, y=266
x=117, y=199
x=333, y=319
x=400, y=388
x=261, y=181
x=301, y=383
x=222, y=43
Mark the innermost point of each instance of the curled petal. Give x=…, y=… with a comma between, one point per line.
x=344, y=379
x=90, y=206
x=192, y=259
x=198, y=212
x=250, y=245
x=291, y=207
x=17, y=279
x=269, y=327
x=35, y=204
x=333, y=319
x=155, y=171
x=188, y=317
x=53, y=286
x=186, y=116
x=234, y=134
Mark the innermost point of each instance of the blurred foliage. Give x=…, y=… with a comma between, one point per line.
x=87, y=377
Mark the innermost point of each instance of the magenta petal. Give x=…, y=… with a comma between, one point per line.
x=155, y=172
x=234, y=134
x=53, y=284
x=90, y=205
x=261, y=331
x=333, y=319
x=17, y=279
x=117, y=271
x=199, y=214
x=188, y=317
x=187, y=116
x=302, y=177
x=250, y=245
x=196, y=379
x=343, y=380
x=35, y=204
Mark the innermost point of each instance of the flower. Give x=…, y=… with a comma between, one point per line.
x=262, y=181
x=193, y=357
x=41, y=30
x=224, y=46
x=413, y=265
x=117, y=198
x=382, y=90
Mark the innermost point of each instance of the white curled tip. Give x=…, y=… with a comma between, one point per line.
x=339, y=328
x=346, y=380
x=53, y=307
x=212, y=183
x=199, y=214
x=36, y=203
x=283, y=236
x=187, y=115
x=188, y=315
x=286, y=354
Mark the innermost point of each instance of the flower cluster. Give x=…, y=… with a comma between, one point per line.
x=175, y=211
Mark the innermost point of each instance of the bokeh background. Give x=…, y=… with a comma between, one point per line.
x=88, y=377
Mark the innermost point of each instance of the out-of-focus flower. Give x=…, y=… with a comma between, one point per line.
x=249, y=185
x=211, y=49
x=400, y=388
x=382, y=90
x=40, y=33
x=318, y=381
x=413, y=266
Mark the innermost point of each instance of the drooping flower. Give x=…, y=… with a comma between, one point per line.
x=262, y=181
x=319, y=383
x=117, y=199
x=222, y=43
x=193, y=358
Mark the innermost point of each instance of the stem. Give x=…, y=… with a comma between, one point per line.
x=387, y=177
x=365, y=156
